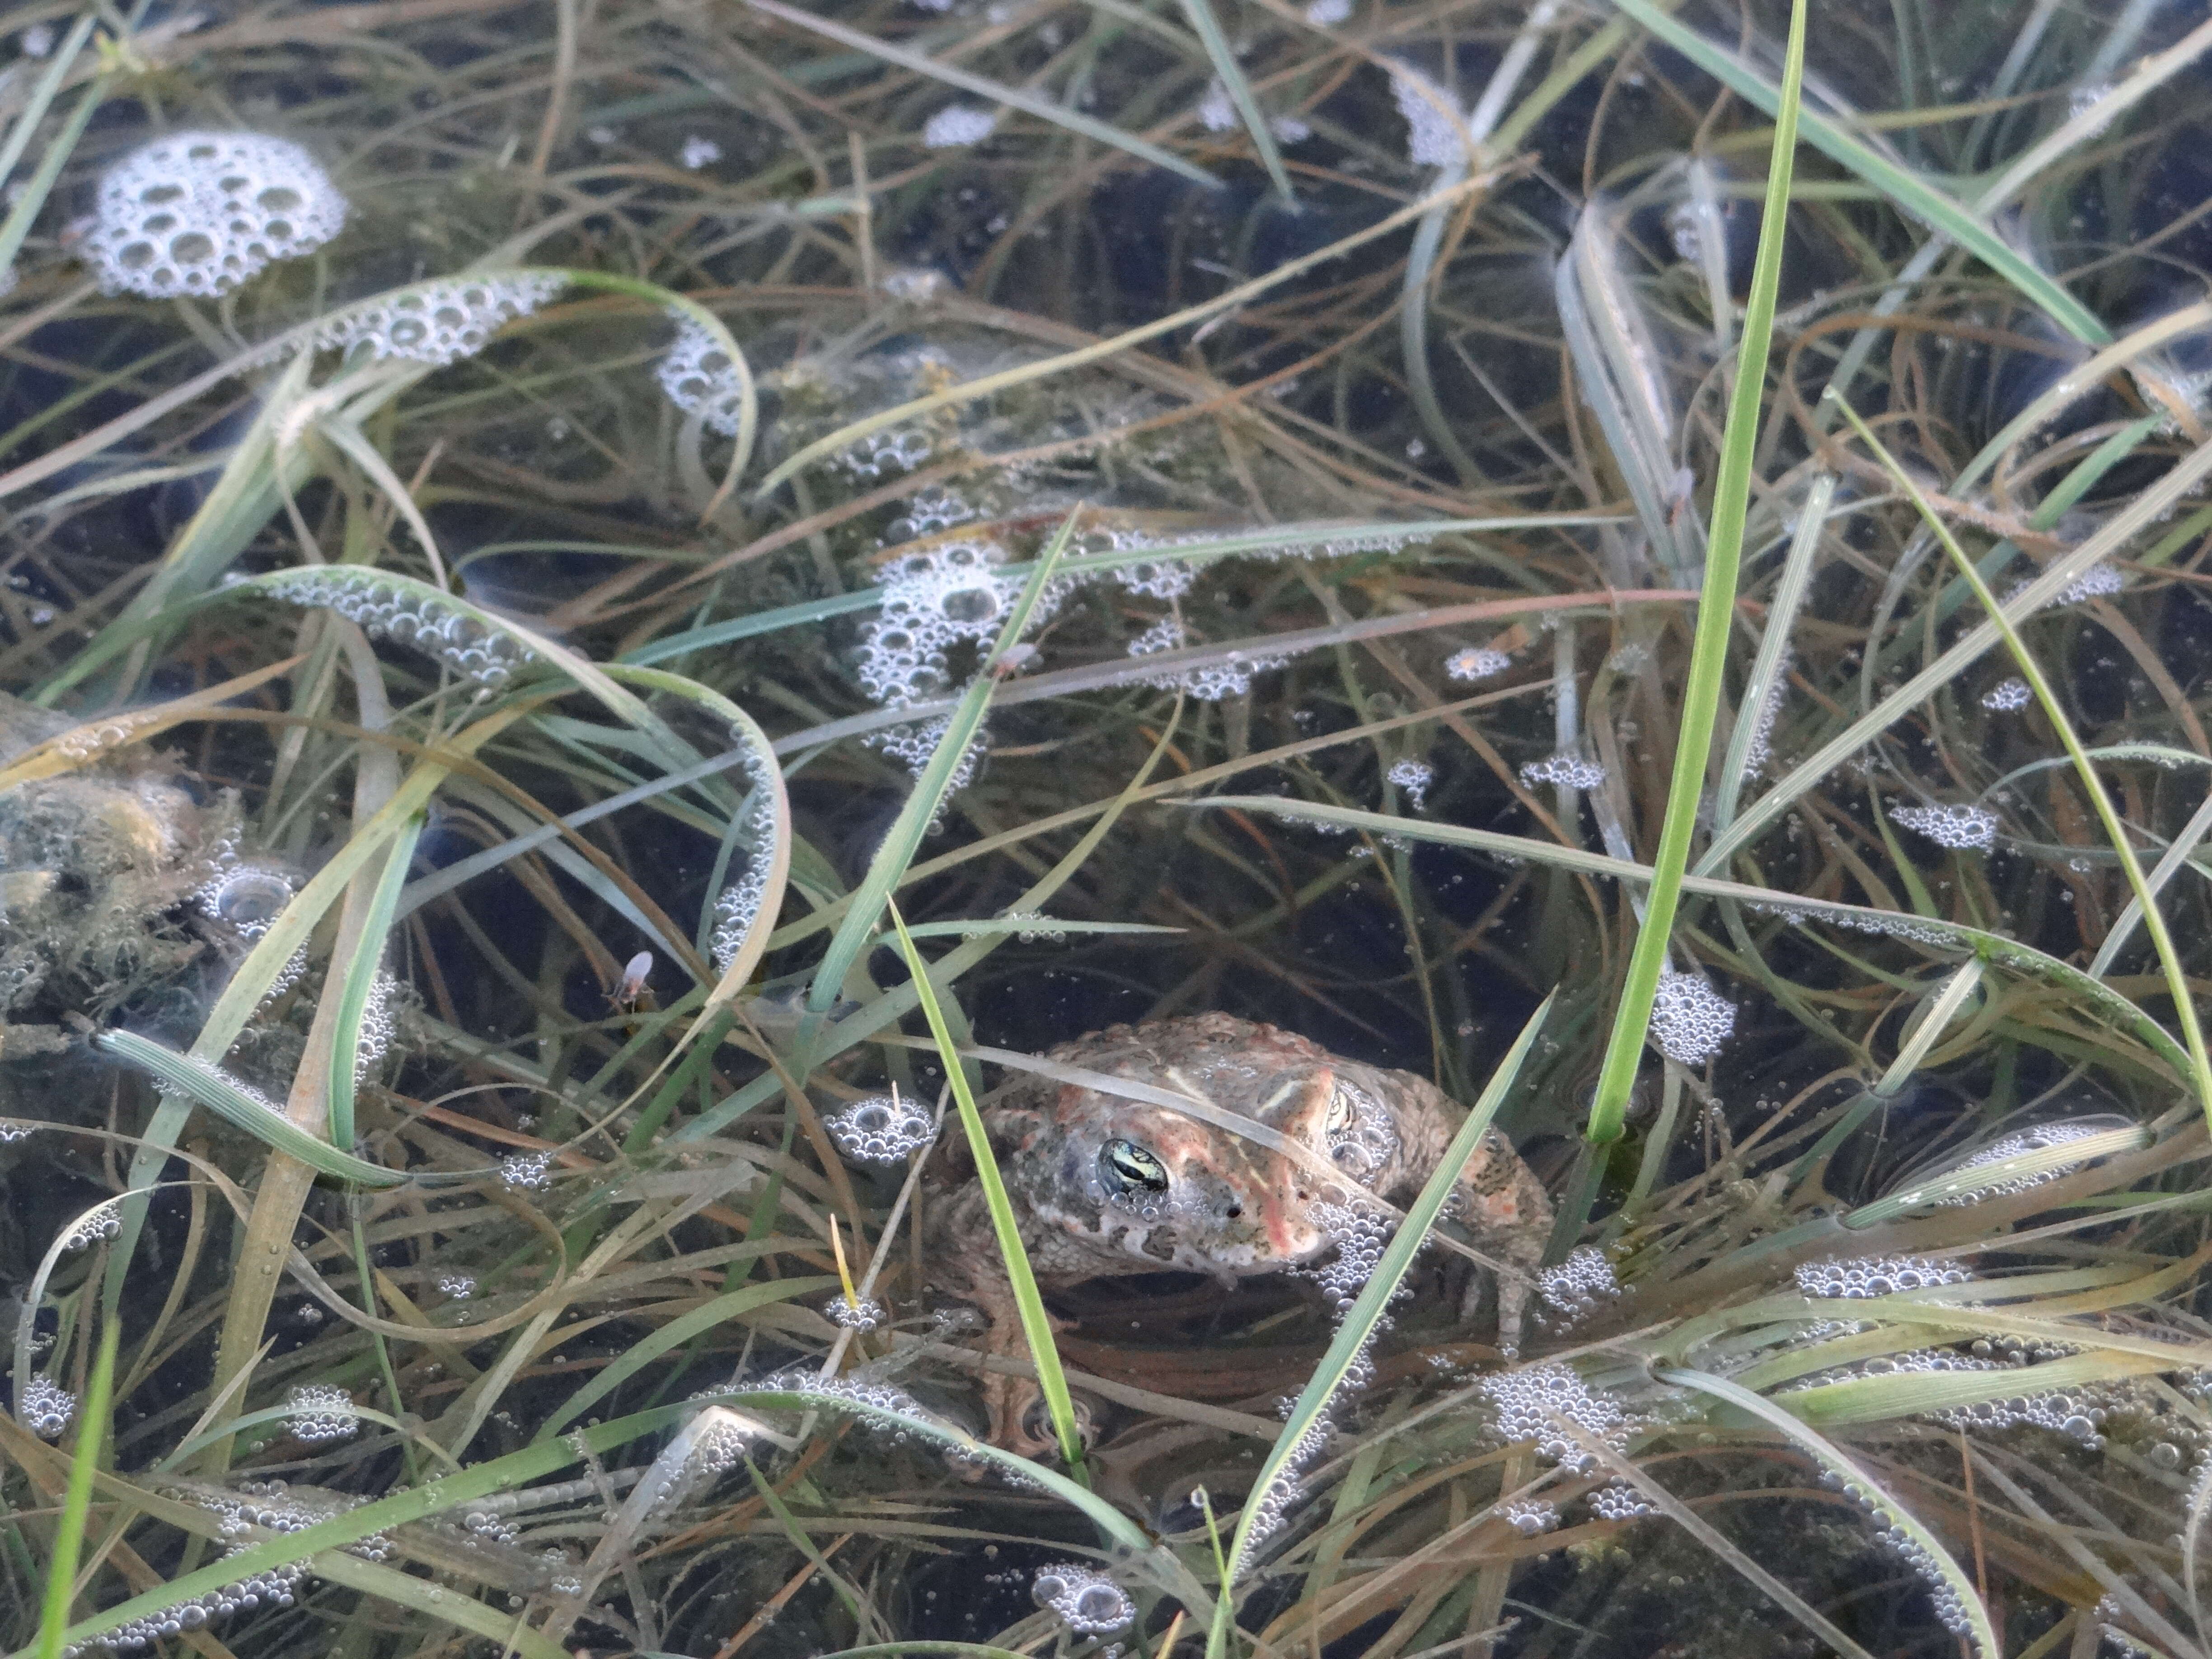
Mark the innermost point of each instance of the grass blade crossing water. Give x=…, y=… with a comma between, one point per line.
x=84, y=1464
x=1715, y=618
x=1357, y=1328
x=1036, y=1323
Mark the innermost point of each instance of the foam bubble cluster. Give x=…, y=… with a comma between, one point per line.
x=1414, y=777
x=45, y=1407
x=380, y=1022
x=933, y=601
x=1889, y=1528
x=860, y=1313
x=1759, y=749
x=1168, y=633
x=1690, y=1020
x=320, y=1412
x=1229, y=676
x=1361, y=1232
x=1530, y=1515
x=2099, y=581
x=102, y=1221
x=957, y=124
x=738, y=906
x=244, y=896
x=2007, y=695
x=1433, y=138
x=881, y=1129
x=460, y=1286
x=273, y=1507
x=474, y=653
x=526, y=1172
x=210, y=1069
x=1476, y=662
x=1567, y=771
x=701, y=378
x=2041, y=1138
x=439, y=322
x=1877, y=1275
x=1527, y=1400
x=1617, y=1501
x=1087, y=1600
x=198, y=212
x=1361, y=1139
x=933, y=508
x=916, y=745
x=887, y=454
x=1156, y=579
x=1574, y=1288
x=1963, y=828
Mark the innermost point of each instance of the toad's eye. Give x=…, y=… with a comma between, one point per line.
x=1343, y=1113
x=1129, y=1168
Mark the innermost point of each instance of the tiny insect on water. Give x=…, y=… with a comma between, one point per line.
x=633, y=991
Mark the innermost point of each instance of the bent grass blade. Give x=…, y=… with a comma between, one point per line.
x=182, y=1075
x=1978, y=1633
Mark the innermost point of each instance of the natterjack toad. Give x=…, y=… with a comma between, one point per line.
x=1210, y=1144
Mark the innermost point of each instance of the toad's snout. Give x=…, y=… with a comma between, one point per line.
x=1249, y=1227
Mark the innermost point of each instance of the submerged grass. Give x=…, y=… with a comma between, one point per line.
x=501, y=696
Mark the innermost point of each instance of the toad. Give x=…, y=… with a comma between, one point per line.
x=1211, y=1145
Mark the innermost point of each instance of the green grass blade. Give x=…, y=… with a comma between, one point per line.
x=903, y=839
x=1358, y=1326
x=1857, y=1483
x=84, y=1464
x=2108, y=816
x=200, y=1081
x=361, y=980
x=1036, y=1324
x=1913, y=196
x=1208, y=28
x=1716, y=620
x=1029, y=103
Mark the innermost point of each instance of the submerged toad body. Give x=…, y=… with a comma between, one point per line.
x=1211, y=1145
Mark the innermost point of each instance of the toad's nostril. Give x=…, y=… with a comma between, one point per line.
x=1234, y=1210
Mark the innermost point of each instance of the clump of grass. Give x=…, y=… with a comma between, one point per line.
x=1295, y=512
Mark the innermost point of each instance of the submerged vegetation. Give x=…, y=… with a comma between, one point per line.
x=616, y=610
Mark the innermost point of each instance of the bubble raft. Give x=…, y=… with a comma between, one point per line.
x=1962, y=829
x=439, y=323
x=319, y=1413
x=1877, y=1275
x=1690, y=1020
x=198, y=212
x=881, y=1129
x=701, y=378
x=1087, y=1600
